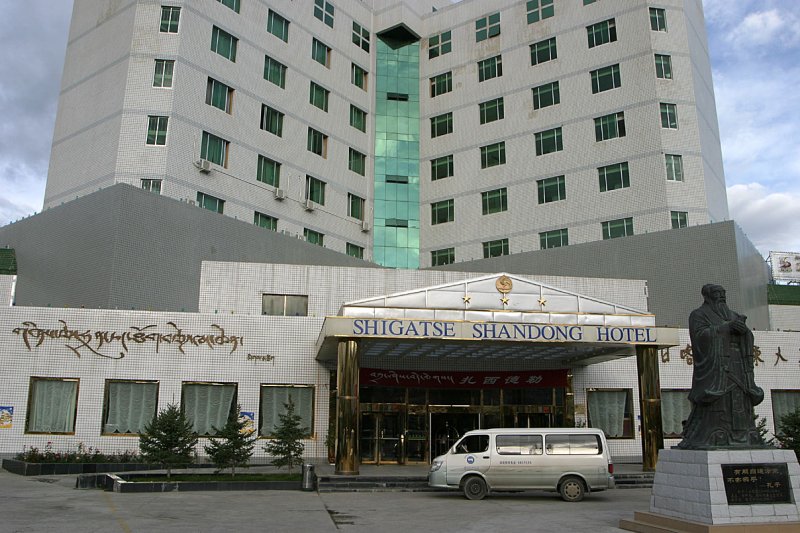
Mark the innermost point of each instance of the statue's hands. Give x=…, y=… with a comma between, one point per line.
x=738, y=326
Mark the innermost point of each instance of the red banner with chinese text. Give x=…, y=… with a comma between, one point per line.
x=373, y=377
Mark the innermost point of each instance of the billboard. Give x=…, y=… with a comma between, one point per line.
x=785, y=265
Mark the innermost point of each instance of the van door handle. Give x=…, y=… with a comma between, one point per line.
x=485, y=456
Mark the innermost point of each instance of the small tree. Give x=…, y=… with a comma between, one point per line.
x=234, y=445
x=763, y=432
x=788, y=434
x=168, y=439
x=286, y=448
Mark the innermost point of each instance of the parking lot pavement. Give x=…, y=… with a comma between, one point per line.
x=51, y=504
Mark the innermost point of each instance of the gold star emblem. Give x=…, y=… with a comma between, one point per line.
x=466, y=298
x=542, y=302
x=504, y=299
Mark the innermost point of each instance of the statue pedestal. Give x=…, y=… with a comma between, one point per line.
x=722, y=490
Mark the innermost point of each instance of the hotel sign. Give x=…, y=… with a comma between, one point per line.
x=373, y=377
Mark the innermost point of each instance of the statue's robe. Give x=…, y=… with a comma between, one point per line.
x=723, y=390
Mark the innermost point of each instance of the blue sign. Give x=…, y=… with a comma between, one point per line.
x=470, y=459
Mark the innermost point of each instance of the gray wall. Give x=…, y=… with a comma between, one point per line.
x=675, y=263
x=122, y=247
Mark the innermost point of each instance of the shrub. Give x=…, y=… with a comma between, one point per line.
x=788, y=434
x=234, y=445
x=83, y=454
x=168, y=439
x=286, y=446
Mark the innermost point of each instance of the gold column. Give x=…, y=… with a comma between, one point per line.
x=347, y=408
x=569, y=403
x=650, y=405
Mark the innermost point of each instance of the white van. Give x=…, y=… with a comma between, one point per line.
x=571, y=461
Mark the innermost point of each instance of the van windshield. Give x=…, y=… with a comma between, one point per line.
x=472, y=444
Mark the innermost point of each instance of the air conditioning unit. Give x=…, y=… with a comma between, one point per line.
x=204, y=165
x=280, y=194
x=365, y=225
x=309, y=205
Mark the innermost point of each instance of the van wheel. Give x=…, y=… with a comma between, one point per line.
x=572, y=489
x=475, y=488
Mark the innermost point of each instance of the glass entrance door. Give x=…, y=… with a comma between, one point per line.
x=380, y=438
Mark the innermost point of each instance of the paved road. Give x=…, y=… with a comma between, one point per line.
x=50, y=504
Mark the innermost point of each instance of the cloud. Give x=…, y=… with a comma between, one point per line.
x=770, y=219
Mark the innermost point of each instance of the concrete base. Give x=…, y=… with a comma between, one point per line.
x=655, y=523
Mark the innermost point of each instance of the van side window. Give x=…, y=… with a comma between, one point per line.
x=473, y=444
x=573, y=445
x=519, y=444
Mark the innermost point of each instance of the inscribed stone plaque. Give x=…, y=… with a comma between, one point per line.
x=747, y=484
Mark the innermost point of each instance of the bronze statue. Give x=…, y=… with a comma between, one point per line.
x=723, y=390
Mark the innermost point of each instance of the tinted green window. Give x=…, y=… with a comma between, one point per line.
x=548, y=141
x=441, y=125
x=442, y=212
x=680, y=219
x=157, y=130
x=278, y=26
x=495, y=248
x=658, y=19
x=269, y=171
x=320, y=52
x=314, y=237
x=358, y=118
x=212, y=203
x=490, y=68
x=491, y=110
x=271, y=120
x=162, y=77
x=354, y=250
x=317, y=142
x=443, y=257
x=609, y=126
x=214, y=149
x=441, y=167
x=358, y=76
x=546, y=95
x=233, y=4
x=544, y=51
x=494, y=201
x=170, y=16
x=219, y=95
x=360, y=36
x=357, y=162
x=265, y=221
x=323, y=10
x=663, y=66
x=551, y=189
x=318, y=96
x=493, y=154
x=439, y=45
x=602, y=33
x=223, y=43
x=553, y=239
x=355, y=206
x=674, y=167
x=614, y=177
x=539, y=10
x=152, y=185
x=275, y=72
x=605, y=79
x=669, y=116
x=622, y=227
x=443, y=83
x=487, y=27
x=315, y=190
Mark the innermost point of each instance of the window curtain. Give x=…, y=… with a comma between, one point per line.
x=296, y=306
x=53, y=406
x=131, y=406
x=675, y=408
x=219, y=95
x=208, y=406
x=783, y=403
x=213, y=149
x=607, y=411
x=272, y=405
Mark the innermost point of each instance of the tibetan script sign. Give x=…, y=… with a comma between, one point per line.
x=372, y=377
x=747, y=484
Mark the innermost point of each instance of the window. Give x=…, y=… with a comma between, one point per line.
x=783, y=403
x=611, y=411
x=284, y=305
x=674, y=167
x=544, y=51
x=128, y=406
x=495, y=248
x=443, y=83
x=441, y=167
x=355, y=206
x=439, y=45
x=214, y=149
x=271, y=120
x=275, y=72
x=675, y=409
x=605, y=79
x=170, y=15
x=473, y=444
x=491, y=110
x=546, y=95
x=446, y=256
x=219, y=95
x=358, y=118
x=233, y=4
x=265, y=221
x=358, y=76
x=614, y=177
x=622, y=227
x=601, y=33
x=152, y=185
x=442, y=212
x=494, y=201
x=269, y=171
x=680, y=219
x=490, y=68
x=519, y=444
x=223, y=43
x=52, y=405
x=208, y=405
x=553, y=239
x=548, y=141
x=315, y=190
x=539, y=10
x=487, y=27
x=658, y=19
x=663, y=66
x=323, y=10
x=321, y=53
x=573, y=445
x=669, y=116
x=551, y=189
x=357, y=162
x=314, y=237
x=493, y=155
x=441, y=125
x=162, y=77
x=353, y=250
x=318, y=96
x=397, y=97
x=609, y=126
x=394, y=178
x=360, y=36
x=212, y=203
x=317, y=142
x=278, y=26
x=587, y=2
x=157, y=130
x=274, y=399
x=396, y=223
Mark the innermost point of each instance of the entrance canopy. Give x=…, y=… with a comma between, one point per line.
x=498, y=316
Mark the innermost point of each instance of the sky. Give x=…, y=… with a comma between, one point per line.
x=754, y=46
